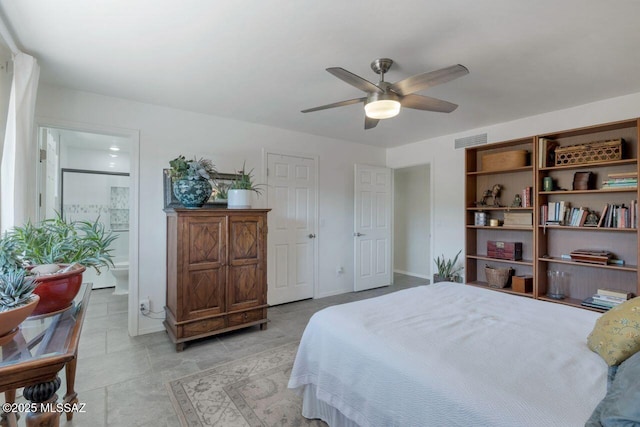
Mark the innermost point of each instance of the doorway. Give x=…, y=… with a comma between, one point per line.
x=86, y=174
x=373, y=227
x=412, y=221
x=292, y=243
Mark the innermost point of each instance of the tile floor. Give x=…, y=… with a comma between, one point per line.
x=122, y=379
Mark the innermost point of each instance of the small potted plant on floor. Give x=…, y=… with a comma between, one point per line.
x=239, y=194
x=448, y=271
x=191, y=180
x=17, y=302
x=57, y=252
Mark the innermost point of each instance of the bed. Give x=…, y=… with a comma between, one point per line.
x=449, y=355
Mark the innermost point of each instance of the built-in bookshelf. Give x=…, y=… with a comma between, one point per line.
x=600, y=215
x=513, y=180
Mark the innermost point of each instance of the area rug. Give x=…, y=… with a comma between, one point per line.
x=246, y=392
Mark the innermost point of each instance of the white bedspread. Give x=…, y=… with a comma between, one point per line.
x=452, y=355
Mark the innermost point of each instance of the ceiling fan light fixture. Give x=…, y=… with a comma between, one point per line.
x=382, y=109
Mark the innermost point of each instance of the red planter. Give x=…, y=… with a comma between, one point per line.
x=56, y=291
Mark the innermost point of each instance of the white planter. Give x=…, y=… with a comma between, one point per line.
x=239, y=199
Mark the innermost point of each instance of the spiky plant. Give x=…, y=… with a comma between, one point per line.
x=244, y=181
x=15, y=289
x=57, y=241
x=9, y=257
x=447, y=268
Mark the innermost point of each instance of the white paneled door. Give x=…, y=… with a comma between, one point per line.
x=291, y=194
x=372, y=227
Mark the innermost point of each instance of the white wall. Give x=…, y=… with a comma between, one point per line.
x=411, y=246
x=447, y=163
x=166, y=133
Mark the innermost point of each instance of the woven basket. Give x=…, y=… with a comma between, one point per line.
x=498, y=277
x=598, y=151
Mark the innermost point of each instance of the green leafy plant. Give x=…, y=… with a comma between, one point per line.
x=447, y=268
x=181, y=168
x=244, y=181
x=9, y=257
x=15, y=289
x=56, y=241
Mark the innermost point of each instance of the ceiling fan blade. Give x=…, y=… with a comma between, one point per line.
x=354, y=80
x=335, y=104
x=426, y=80
x=370, y=123
x=427, y=103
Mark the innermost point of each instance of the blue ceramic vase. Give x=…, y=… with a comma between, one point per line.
x=192, y=193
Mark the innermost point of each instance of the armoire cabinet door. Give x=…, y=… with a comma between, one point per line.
x=246, y=275
x=204, y=260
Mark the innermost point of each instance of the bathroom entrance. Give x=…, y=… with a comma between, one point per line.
x=85, y=176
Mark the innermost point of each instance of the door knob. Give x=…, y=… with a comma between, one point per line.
x=312, y=236
x=358, y=234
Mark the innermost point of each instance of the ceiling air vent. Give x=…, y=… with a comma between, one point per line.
x=469, y=141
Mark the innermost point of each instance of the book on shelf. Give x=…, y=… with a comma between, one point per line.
x=609, y=300
x=621, y=180
x=526, y=197
x=590, y=302
x=546, y=152
x=604, y=303
x=619, y=215
x=616, y=293
x=555, y=213
x=623, y=175
x=591, y=256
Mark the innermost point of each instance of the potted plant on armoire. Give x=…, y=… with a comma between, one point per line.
x=241, y=189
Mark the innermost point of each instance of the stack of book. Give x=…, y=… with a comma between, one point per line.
x=621, y=180
x=607, y=298
x=577, y=217
x=591, y=256
x=554, y=213
x=619, y=216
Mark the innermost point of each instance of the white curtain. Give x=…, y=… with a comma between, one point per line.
x=18, y=168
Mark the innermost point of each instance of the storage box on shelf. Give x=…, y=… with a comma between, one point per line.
x=610, y=152
x=508, y=164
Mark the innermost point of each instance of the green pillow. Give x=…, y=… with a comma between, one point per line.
x=616, y=335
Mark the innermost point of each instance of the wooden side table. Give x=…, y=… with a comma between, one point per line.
x=44, y=345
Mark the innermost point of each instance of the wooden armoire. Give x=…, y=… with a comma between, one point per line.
x=216, y=271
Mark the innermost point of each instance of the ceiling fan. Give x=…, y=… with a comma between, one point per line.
x=384, y=100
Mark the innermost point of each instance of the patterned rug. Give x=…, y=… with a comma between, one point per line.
x=247, y=392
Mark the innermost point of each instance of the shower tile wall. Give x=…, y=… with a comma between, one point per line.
x=119, y=208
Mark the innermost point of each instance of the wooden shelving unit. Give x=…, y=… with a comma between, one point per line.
x=544, y=245
x=513, y=180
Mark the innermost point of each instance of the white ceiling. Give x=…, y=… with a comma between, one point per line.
x=263, y=61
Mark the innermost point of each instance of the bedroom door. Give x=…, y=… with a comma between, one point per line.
x=372, y=227
x=291, y=194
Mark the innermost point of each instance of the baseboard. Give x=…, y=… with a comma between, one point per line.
x=151, y=330
x=408, y=273
x=332, y=293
